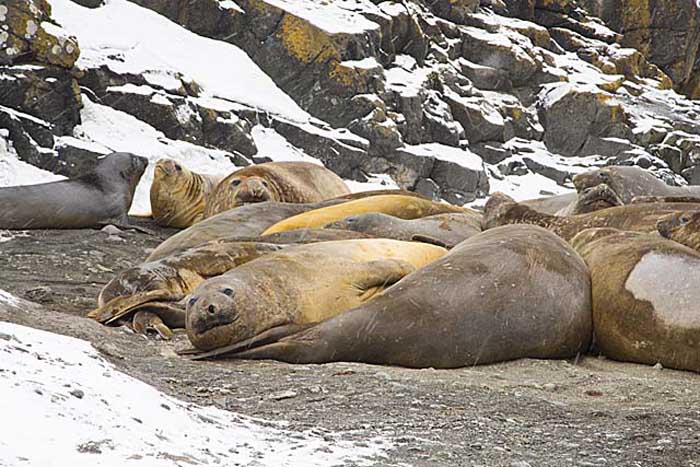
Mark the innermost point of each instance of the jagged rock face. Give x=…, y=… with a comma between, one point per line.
x=27, y=34
x=448, y=98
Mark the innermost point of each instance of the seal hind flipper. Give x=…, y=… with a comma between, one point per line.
x=265, y=338
x=428, y=239
x=145, y=321
x=122, y=305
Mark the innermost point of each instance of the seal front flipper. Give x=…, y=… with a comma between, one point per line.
x=379, y=274
x=124, y=304
x=428, y=239
x=147, y=321
x=264, y=338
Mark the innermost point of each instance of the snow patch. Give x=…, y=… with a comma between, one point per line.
x=131, y=39
x=336, y=17
x=64, y=398
x=374, y=182
x=273, y=145
x=15, y=172
x=459, y=156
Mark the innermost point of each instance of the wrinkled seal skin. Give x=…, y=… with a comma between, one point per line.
x=681, y=227
x=488, y=300
x=91, y=200
x=403, y=207
x=287, y=182
x=645, y=297
x=501, y=209
x=170, y=279
x=297, y=286
x=178, y=195
x=629, y=181
x=592, y=199
x=445, y=229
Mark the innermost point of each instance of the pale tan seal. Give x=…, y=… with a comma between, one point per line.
x=178, y=195
x=645, y=297
x=403, y=207
x=170, y=279
x=296, y=286
x=501, y=209
x=488, y=300
x=95, y=199
x=288, y=182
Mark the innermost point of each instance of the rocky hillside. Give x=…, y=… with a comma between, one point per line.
x=451, y=98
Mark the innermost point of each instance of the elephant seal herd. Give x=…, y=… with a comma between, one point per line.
x=281, y=261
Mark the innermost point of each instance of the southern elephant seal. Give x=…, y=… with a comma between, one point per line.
x=91, y=200
x=403, y=207
x=297, y=286
x=170, y=279
x=592, y=199
x=646, y=302
x=501, y=209
x=178, y=195
x=488, y=300
x=445, y=229
x=288, y=182
x=629, y=182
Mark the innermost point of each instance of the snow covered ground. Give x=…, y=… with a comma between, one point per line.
x=63, y=404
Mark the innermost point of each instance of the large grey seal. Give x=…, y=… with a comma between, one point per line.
x=178, y=195
x=631, y=181
x=289, y=182
x=489, y=299
x=645, y=297
x=96, y=198
x=298, y=285
x=403, y=207
x=445, y=229
x=501, y=209
x=170, y=279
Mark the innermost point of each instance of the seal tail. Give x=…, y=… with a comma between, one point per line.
x=124, y=304
x=271, y=336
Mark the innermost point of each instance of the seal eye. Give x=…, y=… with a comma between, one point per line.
x=192, y=301
x=604, y=176
x=684, y=220
x=235, y=183
x=264, y=183
x=228, y=292
x=178, y=167
x=211, y=309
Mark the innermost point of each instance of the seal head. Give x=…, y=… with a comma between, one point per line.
x=681, y=227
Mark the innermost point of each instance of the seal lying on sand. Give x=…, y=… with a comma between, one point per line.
x=288, y=182
x=645, y=297
x=488, y=300
x=403, y=207
x=178, y=195
x=444, y=229
x=299, y=285
x=171, y=279
x=92, y=200
x=500, y=209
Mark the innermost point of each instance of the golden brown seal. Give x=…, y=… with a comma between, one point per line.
x=178, y=195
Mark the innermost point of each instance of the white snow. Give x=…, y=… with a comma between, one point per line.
x=63, y=404
x=522, y=187
x=14, y=172
x=459, y=156
x=339, y=16
x=364, y=64
x=273, y=145
x=120, y=131
x=131, y=39
x=374, y=182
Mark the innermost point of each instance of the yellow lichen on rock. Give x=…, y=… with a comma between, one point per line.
x=306, y=42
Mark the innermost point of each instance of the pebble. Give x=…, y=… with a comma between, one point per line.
x=111, y=230
x=284, y=395
x=77, y=393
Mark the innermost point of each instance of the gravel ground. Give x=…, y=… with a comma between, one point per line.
x=589, y=412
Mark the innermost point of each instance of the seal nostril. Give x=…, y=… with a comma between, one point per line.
x=211, y=309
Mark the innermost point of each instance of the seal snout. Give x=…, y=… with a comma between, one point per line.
x=212, y=310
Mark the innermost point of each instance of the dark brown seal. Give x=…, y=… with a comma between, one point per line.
x=592, y=199
x=92, y=200
x=501, y=209
x=288, y=182
x=645, y=297
x=489, y=299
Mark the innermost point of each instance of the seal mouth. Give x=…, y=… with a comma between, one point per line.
x=202, y=326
